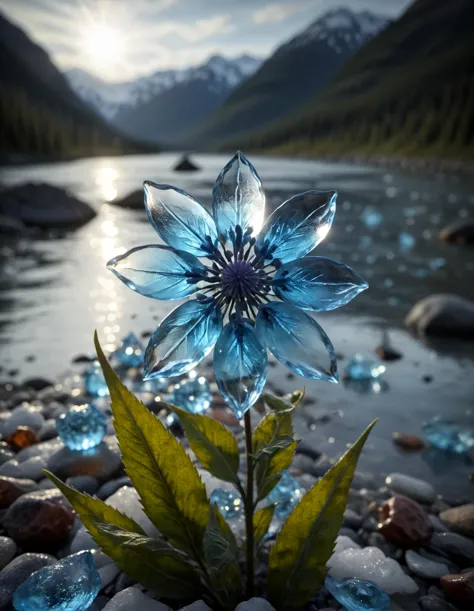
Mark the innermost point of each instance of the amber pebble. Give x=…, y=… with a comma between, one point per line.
x=22, y=437
x=408, y=441
x=404, y=522
x=460, y=519
x=460, y=588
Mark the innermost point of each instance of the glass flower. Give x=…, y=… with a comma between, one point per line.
x=251, y=281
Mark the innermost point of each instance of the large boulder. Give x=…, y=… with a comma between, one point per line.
x=44, y=206
x=442, y=315
x=460, y=232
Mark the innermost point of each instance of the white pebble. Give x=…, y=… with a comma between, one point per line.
x=132, y=599
x=127, y=501
x=255, y=604
x=198, y=605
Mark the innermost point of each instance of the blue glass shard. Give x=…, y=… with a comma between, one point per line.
x=358, y=594
x=449, y=436
x=238, y=198
x=193, y=395
x=287, y=493
x=82, y=427
x=183, y=339
x=297, y=341
x=228, y=502
x=298, y=225
x=240, y=366
x=69, y=585
x=179, y=219
x=130, y=353
x=371, y=217
x=406, y=241
x=361, y=367
x=158, y=271
x=317, y=283
x=94, y=381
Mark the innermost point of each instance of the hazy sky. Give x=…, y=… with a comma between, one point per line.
x=122, y=39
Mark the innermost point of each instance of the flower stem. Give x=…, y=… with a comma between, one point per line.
x=249, y=507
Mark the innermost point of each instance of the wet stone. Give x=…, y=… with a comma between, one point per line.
x=7, y=551
x=15, y=573
x=102, y=462
x=457, y=547
x=460, y=588
x=12, y=488
x=427, y=569
x=412, y=487
x=5, y=455
x=22, y=437
x=404, y=522
x=459, y=519
x=112, y=486
x=84, y=483
x=408, y=442
x=434, y=603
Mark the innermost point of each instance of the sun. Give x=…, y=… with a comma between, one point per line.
x=103, y=44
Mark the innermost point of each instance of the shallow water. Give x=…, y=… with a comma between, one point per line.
x=56, y=290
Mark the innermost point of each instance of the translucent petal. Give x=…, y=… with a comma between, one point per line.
x=298, y=225
x=157, y=271
x=317, y=283
x=179, y=219
x=240, y=366
x=237, y=197
x=297, y=341
x=182, y=340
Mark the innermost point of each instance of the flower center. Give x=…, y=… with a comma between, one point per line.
x=240, y=280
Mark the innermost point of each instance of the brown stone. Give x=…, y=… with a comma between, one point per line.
x=408, y=441
x=459, y=588
x=460, y=519
x=22, y=437
x=404, y=522
x=11, y=488
x=39, y=520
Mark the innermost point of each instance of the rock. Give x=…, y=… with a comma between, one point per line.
x=385, y=351
x=255, y=604
x=82, y=541
x=127, y=501
x=198, y=605
x=84, y=483
x=7, y=551
x=11, y=469
x=460, y=588
x=44, y=448
x=44, y=206
x=37, y=383
x=12, y=488
x=352, y=519
x=10, y=226
x=308, y=450
x=112, y=486
x=107, y=574
x=48, y=430
x=134, y=201
x=22, y=437
x=88, y=358
x=460, y=519
x=343, y=543
x=454, y=546
x=33, y=468
x=24, y=415
x=437, y=524
x=423, y=567
x=407, y=441
x=5, y=455
x=460, y=232
x=18, y=571
x=442, y=314
x=186, y=165
x=133, y=599
x=102, y=462
x=39, y=519
x=371, y=564
x=409, y=486
x=434, y=603
x=403, y=522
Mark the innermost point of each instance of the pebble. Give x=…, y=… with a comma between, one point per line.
x=44, y=448
x=456, y=546
x=198, y=605
x=12, y=488
x=33, y=468
x=423, y=567
x=18, y=571
x=37, y=383
x=404, y=522
x=433, y=603
x=22, y=437
x=412, y=487
x=112, y=486
x=108, y=573
x=24, y=415
x=307, y=449
x=39, y=519
x=460, y=519
x=408, y=442
x=11, y=469
x=102, y=462
x=48, y=430
x=5, y=455
x=352, y=519
x=7, y=551
x=127, y=501
x=437, y=524
x=460, y=588
x=255, y=604
x=84, y=483
x=82, y=541
x=133, y=599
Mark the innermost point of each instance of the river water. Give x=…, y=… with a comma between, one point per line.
x=55, y=290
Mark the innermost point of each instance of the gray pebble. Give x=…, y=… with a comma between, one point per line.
x=48, y=430
x=83, y=483
x=109, y=488
x=102, y=462
x=198, y=605
x=6, y=455
x=417, y=489
x=437, y=524
x=15, y=573
x=7, y=551
x=425, y=568
x=433, y=603
x=308, y=450
x=352, y=519
x=108, y=573
x=11, y=469
x=456, y=546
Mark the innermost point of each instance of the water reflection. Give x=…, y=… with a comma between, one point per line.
x=106, y=182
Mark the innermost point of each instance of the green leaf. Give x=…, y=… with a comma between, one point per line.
x=272, y=450
x=171, y=491
x=261, y=522
x=153, y=563
x=220, y=554
x=214, y=445
x=284, y=404
x=297, y=563
x=296, y=397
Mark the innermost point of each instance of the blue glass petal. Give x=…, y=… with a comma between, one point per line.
x=237, y=197
x=317, y=283
x=358, y=594
x=179, y=219
x=298, y=225
x=183, y=339
x=157, y=271
x=240, y=366
x=297, y=341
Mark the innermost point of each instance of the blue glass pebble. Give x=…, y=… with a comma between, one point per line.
x=228, y=502
x=82, y=427
x=361, y=367
x=371, y=217
x=194, y=395
x=358, y=594
x=94, y=381
x=448, y=436
x=287, y=493
x=69, y=585
x=131, y=352
x=406, y=240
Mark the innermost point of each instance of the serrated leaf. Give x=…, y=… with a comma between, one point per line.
x=214, y=445
x=170, y=489
x=283, y=404
x=154, y=564
x=220, y=554
x=297, y=563
x=261, y=522
x=272, y=432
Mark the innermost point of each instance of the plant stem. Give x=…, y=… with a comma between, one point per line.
x=249, y=506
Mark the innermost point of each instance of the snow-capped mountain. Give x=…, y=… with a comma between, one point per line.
x=109, y=99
